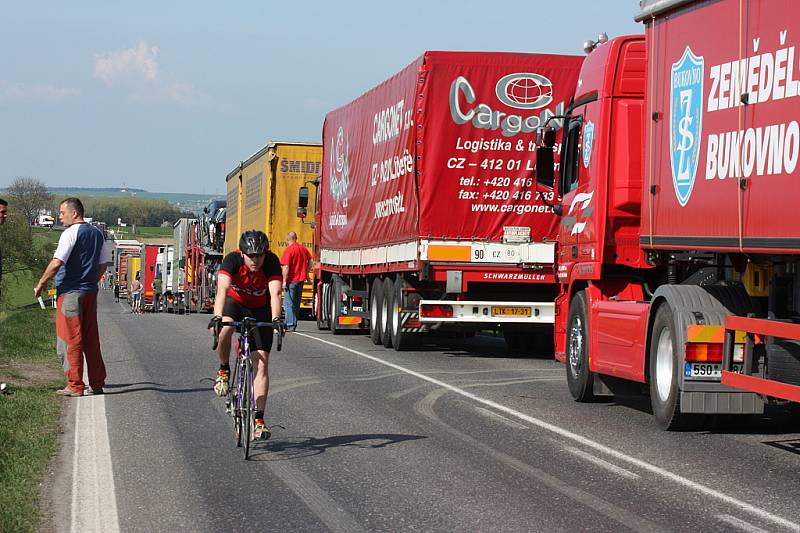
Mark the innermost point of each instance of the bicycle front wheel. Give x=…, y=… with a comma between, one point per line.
x=247, y=406
x=237, y=392
x=230, y=399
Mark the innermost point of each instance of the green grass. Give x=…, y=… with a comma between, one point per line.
x=142, y=231
x=28, y=429
x=47, y=235
x=28, y=335
x=18, y=290
x=29, y=414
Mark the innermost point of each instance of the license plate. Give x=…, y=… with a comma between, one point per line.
x=511, y=311
x=706, y=371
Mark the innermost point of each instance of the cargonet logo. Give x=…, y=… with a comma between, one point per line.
x=339, y=178
x=521, y=90
x=524, y=90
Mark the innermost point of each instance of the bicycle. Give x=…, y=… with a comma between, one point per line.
x=240, y=401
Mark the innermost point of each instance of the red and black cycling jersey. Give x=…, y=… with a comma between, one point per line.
x=251, y=289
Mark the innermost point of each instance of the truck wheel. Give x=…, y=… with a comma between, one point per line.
x=322, y=306
x=400, y=340
x=733, y=297
x=375, y=303
x=783, y=361
x=386, y=312
x=580, y=379
x=515, y=339
x=665, y=366
x=335, y=298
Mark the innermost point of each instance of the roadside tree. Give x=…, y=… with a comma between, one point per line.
x=29, y=196
x=22, y=249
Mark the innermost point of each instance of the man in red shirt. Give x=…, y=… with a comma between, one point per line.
x=295, y=263
x=248, y=284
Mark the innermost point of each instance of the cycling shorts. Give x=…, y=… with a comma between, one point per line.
x=262, y=337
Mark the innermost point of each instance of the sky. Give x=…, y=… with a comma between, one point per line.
x=169, y=96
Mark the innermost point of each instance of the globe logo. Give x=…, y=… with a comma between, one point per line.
x=525, y=90
x=340, y=155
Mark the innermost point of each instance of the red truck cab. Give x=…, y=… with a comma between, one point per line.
x=679, y=258
x=628, y=311
x=601, y=180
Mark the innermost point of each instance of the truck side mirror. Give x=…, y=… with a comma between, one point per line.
x=546, y=136
x=302, y=212
x=545, y=165
x=302, y=199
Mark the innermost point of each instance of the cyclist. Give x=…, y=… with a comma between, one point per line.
x=249, y=283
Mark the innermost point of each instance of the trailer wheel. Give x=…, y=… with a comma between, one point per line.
x=375, y=307
x=783, y=361
x=386, y=312
x=580, y=379
x=322, y=306
x=665, y=366
x=335, y=297
x=515, y=339
x=400, y=340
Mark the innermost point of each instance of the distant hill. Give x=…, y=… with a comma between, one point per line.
x=188, y=201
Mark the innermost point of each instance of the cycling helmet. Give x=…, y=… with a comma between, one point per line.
x=253, y=242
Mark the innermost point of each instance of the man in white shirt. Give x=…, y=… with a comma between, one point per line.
x=78, y=263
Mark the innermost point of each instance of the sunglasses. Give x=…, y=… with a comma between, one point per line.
x=254, y=256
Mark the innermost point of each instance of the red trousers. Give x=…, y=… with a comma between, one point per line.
x=76, y=336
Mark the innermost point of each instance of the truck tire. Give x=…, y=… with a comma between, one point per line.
x=515, y=339
x=335, y=298
x=665, y=366
x=400, y=340
x=733, y=297
x=580, y=379
x=323, y=307
x=375, y=303
x=783, y=361
x=386, y=312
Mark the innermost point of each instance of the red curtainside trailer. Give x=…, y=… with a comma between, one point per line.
x=428, y=215
x=149, y=256
x=679, y=258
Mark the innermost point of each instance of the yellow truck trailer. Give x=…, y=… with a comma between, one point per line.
x=262, y=194
x=133, y=271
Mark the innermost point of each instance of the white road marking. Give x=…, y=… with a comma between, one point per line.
x=325, y=508
x=507, y=421
x=740, y=524
x=329, y=512
x=94, y=501
x=580, y=439
x=601, y=463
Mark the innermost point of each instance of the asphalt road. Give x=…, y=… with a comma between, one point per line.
x=455, y=437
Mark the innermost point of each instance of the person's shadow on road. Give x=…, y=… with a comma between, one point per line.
x=283, y=449
x=125, y=388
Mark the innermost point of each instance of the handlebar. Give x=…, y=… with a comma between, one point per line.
x=247, y=324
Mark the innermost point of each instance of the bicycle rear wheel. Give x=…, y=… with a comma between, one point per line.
x=247, y=407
